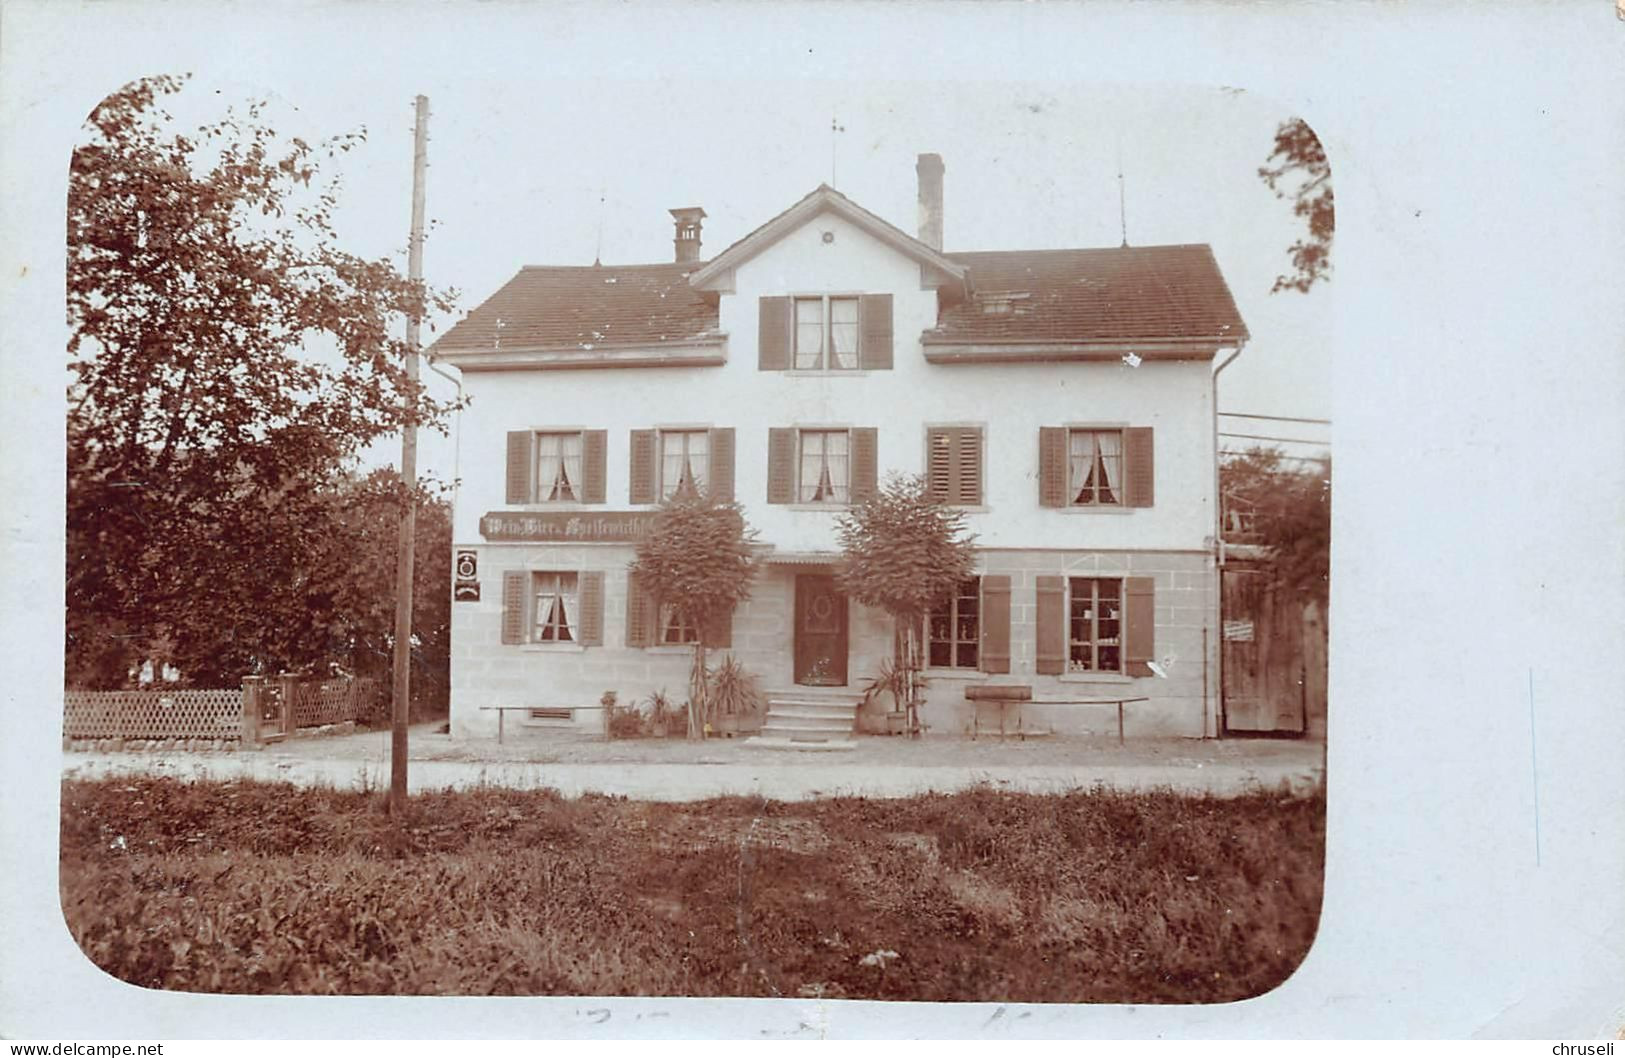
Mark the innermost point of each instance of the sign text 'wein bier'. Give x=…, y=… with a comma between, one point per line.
x=568, y=527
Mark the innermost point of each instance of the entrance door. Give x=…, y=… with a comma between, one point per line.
x=820, y=631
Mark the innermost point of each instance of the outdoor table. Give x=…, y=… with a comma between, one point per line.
x=502, y=712
x=1006, y=695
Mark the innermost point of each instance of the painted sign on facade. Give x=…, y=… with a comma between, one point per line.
x=467, y=586
x=567, y=526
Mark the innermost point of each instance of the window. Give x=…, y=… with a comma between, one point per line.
x=953, y=634
x=826, y=331
x=674, y=629
x=558, y=467
x=953, y=461
x=685, y=463
x=1095, y=468
x=826, y=475
x=555, y=611
x=1095, y=626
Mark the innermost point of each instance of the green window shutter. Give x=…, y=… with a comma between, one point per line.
x=967, y=485
x=1052, y=626
x=773, y=335
x=781, y=465
x=590, y=609
x=939, y=464
x=594, y=458
x=1138, y=467
x=1139, y=624
x=721, y=477
x=995, y=652
x=865, y=465
x=874, y=332
x=639, y=618
x=642, y=487
x=1052, y=466
x=515, y=608
x=519, y=461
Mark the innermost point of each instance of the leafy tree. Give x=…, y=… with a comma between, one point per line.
x=201, y=435
x=698, y=558
x=1297, y=170
x=904, y=553
x=1291, y=518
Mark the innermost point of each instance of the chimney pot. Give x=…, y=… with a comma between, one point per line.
x=687, y=240
x=929, y=170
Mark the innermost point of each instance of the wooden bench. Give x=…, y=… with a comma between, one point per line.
x=1014, y=694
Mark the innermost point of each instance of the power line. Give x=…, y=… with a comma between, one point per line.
x=1274, y=418
x=1289, y=459
x=1287, y=440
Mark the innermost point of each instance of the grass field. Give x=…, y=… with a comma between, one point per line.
x=1086, y=897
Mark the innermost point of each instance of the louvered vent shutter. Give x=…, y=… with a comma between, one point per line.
x=721, y=477
x=1139, y=624
x=719, y=634
x=590, y=610
x=639, y=619
x=939, y=464
x=515, y=596
x=875, y=332
x=1052, y=466
x=519, y=460
x=968, y=461
x=1138, y=467
x=865, y=466
x=1051, y=626
x=594, y=460
x=773, y=335
x=642, y=486
x=781, y=465
x=995, y=652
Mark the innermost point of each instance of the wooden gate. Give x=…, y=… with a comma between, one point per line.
x=1268, y=644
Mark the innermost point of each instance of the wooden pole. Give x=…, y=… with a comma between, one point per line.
x=409, y=477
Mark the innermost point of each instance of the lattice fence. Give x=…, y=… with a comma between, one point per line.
x=331, y=701
x=212, y=714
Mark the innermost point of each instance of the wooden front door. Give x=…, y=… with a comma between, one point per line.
x=820, y=631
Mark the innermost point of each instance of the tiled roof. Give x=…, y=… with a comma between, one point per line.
x=1134, y=293
x=582, y=307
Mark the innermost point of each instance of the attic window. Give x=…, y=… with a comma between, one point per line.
x=1004, y=302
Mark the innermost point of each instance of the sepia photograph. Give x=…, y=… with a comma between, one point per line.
x=707, y=521
x=883, y=550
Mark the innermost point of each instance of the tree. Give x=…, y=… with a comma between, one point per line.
x=201, y=434
x=1291, y=518
x=1297, y=170
x=699, y=559
x=904, y=553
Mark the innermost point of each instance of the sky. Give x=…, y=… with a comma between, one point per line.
x=531, y=171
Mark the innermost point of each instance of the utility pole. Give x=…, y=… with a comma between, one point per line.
x=409, y=481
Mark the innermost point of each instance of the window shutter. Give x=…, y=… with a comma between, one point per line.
x=781, y=465
x=594, y=456
x=519, y=480
x=968, y=464
x=719, y=634
x=1052, y=466
x=995, y=652
x=1138, y=475
x=639, y=618
x=874, y=332
x=515, y=625
x=590, y=609
x=642, y=488
x=773, y=335
x=939, y=464
x=864, y=467
x=721, y=477
x=1051, y=626
x=1139, y=624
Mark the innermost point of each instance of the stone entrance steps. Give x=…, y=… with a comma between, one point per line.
x=809, y=719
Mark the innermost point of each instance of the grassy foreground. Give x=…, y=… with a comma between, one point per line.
x=1085, y=897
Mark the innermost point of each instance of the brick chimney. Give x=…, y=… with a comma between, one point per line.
x=929, y=170
x=688, y=232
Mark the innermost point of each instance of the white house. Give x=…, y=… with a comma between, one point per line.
x=1063, y=398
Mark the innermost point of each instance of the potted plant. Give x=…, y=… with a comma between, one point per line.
x=660, y=711
x=734, y=697
x=885, y=700
x=677, y=722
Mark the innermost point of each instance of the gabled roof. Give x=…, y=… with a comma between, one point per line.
x=825, y=199
x=1131, y=293
x=587, y=307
